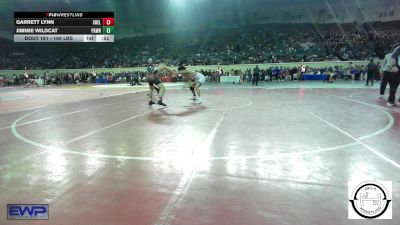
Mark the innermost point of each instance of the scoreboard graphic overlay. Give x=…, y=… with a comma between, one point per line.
x=63, y=26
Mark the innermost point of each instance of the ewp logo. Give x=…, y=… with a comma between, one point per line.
x=27, y=211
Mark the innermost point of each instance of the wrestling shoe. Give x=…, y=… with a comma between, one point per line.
x=161, y=103
x=391, y=104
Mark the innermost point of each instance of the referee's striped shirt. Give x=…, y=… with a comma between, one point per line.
x=387, y=63
x=396, y=56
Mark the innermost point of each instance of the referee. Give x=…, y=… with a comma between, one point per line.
x=386, y=71
x=395, y=78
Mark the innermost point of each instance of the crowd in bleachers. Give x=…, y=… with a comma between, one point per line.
x=280, y=73
x=277, y=73
x=76, y=77
x=251, y=44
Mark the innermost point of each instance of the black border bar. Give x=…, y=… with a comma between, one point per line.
x=66, y=15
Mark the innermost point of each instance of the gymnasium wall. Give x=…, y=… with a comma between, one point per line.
x=325, y=12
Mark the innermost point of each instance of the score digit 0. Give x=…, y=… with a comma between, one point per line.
x=108, y=30
x=108, y=21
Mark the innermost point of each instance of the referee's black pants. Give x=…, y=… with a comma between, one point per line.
x=394, y=84
x=384, y=81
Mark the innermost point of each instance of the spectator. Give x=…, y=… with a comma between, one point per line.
x=372, y=70
x=256, y=75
